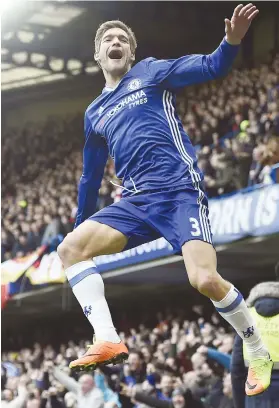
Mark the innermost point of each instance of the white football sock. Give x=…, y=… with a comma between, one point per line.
x=235, y=311
x=88, y=287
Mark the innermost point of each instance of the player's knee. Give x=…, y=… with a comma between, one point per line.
x=205, y=281
x=207, y=284
x=63, y=251
x=70, y=252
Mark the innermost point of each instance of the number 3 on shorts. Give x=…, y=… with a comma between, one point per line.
x=195, y=227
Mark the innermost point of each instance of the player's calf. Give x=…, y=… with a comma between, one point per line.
x=200, y=262
x=77, y=251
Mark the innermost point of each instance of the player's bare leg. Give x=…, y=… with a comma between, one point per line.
x=88, y=240
x=201, y=265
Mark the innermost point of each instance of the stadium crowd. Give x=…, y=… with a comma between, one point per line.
x=244, y=106
x=40, y=176
x=178, y=364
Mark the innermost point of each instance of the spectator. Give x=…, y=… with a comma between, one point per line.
x=264, y=303
x=34, y=237
x=52, y=229
x=180, y=399
x=223, y=165
x=264, y=156
x=227, y=400
x=10, y=400
x=20, y=247
x=87, y=394
x=166, y=388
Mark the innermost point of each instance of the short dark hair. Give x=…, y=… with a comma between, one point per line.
x=115, y=24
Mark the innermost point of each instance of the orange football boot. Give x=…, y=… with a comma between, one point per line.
x=100, y=353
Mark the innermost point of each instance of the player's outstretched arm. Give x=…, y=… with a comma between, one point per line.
x=95, y=155
x=197, y=68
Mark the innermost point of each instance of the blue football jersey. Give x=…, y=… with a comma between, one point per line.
x=137, y=125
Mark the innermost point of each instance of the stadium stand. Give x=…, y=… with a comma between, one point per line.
x=177, y=360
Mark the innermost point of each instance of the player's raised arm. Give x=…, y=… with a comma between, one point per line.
x=197, y=68
x=95, y=155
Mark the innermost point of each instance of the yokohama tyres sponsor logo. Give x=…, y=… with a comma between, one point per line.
x=126, y=101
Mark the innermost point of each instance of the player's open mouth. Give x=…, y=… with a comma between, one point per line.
x=115, y=54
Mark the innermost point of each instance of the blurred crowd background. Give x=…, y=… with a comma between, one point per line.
x=234, y=124
x=180, y=362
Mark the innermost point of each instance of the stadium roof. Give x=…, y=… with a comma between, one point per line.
x=30, y=52
x=47, y=41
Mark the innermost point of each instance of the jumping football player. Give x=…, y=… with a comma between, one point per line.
x=135, y=121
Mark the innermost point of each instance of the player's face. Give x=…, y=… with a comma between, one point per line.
x=115, y=56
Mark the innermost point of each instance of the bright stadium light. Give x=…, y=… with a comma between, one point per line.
x=38, y=59
x=92, y=69
x=8, y=5
x=8, y=35
x=25, y=36
x=20, y=57
x=56, y=64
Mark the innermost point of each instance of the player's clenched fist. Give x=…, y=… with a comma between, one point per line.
x=237, y=27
